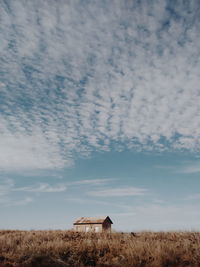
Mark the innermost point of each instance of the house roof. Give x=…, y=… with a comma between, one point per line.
x=90, y=220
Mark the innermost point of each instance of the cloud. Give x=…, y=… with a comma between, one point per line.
x=191, y=168
x=188, y=167
x=83, y=201
x=159, y=217
x=47, y=188
x=7, y=186
x=43, y=188
x=21, y=202
x=193, y=196
x=8, y=189
x=152, y=214
x=119, y=192
x=93, y=182
x=78, y=77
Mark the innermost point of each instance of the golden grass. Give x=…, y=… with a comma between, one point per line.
x=67, y=248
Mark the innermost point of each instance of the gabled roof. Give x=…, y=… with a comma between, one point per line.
x=90, y=220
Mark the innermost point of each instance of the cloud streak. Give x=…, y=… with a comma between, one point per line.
x=92, y=182
x=7, y=186
x=191, y=168
x=79, y=77
x=119, y=192
x=9, y=190
x=42, y=188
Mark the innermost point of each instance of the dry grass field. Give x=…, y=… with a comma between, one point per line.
x=67, y=248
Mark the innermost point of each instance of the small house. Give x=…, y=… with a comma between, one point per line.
x=93, y=224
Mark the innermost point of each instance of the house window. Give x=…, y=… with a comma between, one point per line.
x=96, y=229
x=87, y=228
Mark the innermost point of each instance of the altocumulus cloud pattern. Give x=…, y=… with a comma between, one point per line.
x=84, y=76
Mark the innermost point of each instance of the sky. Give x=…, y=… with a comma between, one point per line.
x=100, y=113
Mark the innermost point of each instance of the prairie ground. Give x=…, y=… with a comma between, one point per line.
x=67, y=248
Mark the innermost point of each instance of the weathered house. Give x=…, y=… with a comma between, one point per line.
x=93, y=224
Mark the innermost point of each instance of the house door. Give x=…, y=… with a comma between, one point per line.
x=87, y=228
x=96, y=229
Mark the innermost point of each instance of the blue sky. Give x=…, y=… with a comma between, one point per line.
x=100, y=113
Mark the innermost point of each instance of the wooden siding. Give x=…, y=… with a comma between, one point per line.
x=88, y=228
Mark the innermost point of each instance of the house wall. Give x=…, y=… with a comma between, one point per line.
x=106, y=226
x=88, y=228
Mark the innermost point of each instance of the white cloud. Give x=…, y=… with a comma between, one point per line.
x=191, y=168
x=25, y=152
x=21, y=202
x=193, y=196
x=188, y=167
x=112, y=204
x=93, y=182
x=43, y=188
x=8, y=190
x=119, y=192
x=77, y=77
x=7, y=186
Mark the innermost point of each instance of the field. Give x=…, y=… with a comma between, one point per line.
x=67, y=248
